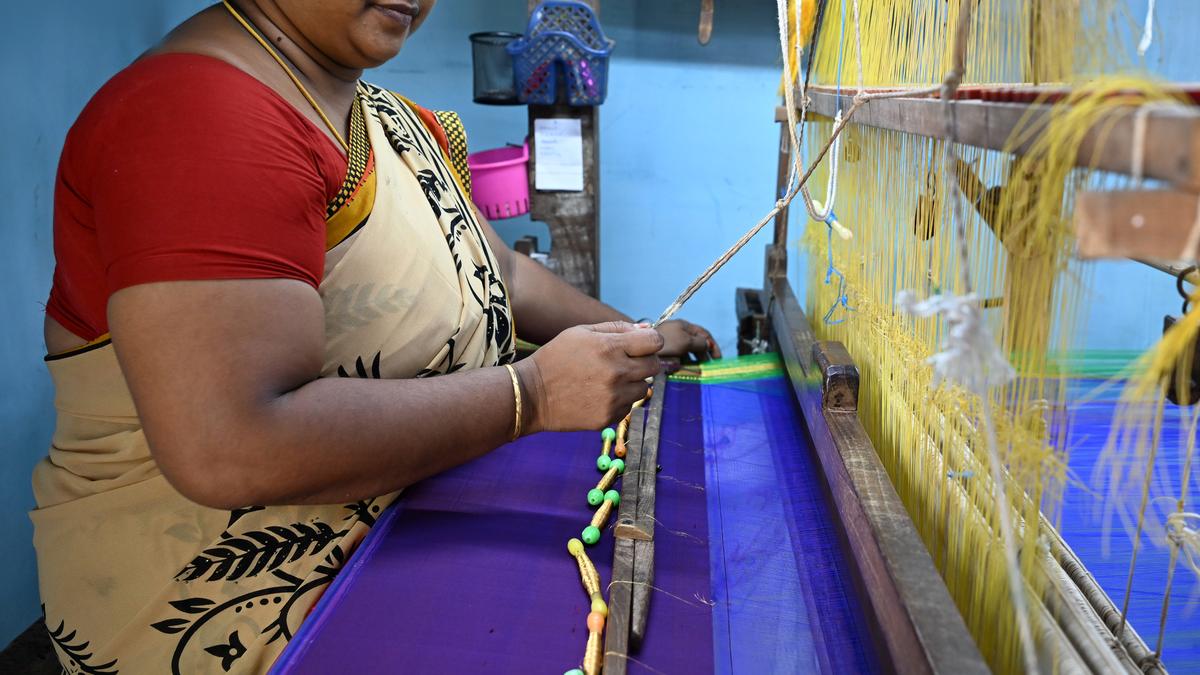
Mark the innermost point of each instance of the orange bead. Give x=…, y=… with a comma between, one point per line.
x=595, y=622
x=619, y=451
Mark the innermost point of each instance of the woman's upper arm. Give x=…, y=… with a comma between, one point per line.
x=206, y=361
x=208, y=206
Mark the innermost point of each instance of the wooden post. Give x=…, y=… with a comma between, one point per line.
x=573, y=217
x=777, y=261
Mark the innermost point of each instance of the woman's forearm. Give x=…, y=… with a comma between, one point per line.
x=344, y=439
x=225, y=376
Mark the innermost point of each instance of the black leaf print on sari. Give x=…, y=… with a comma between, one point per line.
x=498, y=327
x=236, y=514
x=256, y=551
x=430, y=372
x=360, y=369
x=432, y=187
x=76, y=652
x=228, y=653
x=451, y=206
x=458, y=224
x=364, y=511
x=454, y=253
x=200, y=612
x=323, y=575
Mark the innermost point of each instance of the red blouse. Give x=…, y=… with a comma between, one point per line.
x=183, y=167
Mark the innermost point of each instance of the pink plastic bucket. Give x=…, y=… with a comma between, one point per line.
x=500, y=181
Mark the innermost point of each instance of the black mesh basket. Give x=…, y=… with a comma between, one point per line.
x=493, y=68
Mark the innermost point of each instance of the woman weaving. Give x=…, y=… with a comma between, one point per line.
x=284, y=258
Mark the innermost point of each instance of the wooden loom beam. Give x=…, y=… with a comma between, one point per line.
x=1154, y=224
x=620, y=589
x=646, y=481
x=1172, y=138
x=633, y=552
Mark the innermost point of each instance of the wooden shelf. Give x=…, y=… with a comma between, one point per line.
x=1172, y=139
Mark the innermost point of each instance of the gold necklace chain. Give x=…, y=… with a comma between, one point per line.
x=295, y=80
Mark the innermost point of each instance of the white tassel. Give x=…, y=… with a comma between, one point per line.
x=969, y=355
x=1183, y=530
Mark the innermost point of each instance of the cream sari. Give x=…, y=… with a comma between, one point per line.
x=137, y=579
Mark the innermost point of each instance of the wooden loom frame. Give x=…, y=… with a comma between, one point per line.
x=1081, y=629
x=917, y=627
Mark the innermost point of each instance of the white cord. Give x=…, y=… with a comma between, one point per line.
x=1183, y=530
x=822, y=213
x=1147, y=30
x=1138, y=160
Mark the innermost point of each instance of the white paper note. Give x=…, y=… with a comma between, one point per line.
x=558, y=154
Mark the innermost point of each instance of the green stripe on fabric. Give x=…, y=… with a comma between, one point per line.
x=1092, y=363
x=738, y=369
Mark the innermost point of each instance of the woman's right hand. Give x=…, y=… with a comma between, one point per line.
x=588, y=376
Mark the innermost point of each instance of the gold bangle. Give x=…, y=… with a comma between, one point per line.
x=512, y=372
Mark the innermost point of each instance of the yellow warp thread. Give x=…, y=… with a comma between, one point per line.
x=893, y=194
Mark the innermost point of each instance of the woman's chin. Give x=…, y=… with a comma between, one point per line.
x=378, y=51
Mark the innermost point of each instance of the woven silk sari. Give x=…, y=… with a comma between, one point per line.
x=137, y=579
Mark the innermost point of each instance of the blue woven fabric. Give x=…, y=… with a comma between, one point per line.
x=784, y=599
x=1082, y=525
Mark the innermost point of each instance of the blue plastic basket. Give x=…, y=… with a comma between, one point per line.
x=564, y=38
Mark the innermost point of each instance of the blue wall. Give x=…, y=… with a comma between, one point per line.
x=53, y=57
x=688, y=163
x=687, y=142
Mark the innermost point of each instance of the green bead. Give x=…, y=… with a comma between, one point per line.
x=608, y=434
x=620, y=464
x=574, y=671
x=598, y=605
x=595, y=496
x=591, y=535
x=613, y=496
x=603, y=462
x=574, y=546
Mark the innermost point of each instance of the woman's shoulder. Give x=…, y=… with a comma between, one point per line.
x=185, y=107
x=183, y=89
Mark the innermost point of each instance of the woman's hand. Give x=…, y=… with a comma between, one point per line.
x=588, y=376
x=683, y=338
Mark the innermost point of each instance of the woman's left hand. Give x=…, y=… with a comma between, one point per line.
x=682, y=338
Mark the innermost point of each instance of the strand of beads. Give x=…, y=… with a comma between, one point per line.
x=591, y=533
x=593, y=653
x=607, y=435
x=607, y=499
x=623, y=427
x=596, y=494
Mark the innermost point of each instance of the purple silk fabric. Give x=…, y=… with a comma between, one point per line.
x=469, y=571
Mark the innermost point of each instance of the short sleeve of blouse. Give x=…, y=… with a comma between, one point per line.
x=201, y=172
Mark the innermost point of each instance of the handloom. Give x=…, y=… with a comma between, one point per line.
x=894, y=511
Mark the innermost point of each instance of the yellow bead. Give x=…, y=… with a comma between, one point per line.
x=574, y=546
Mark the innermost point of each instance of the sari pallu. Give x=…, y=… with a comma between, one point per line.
x=137, y=579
